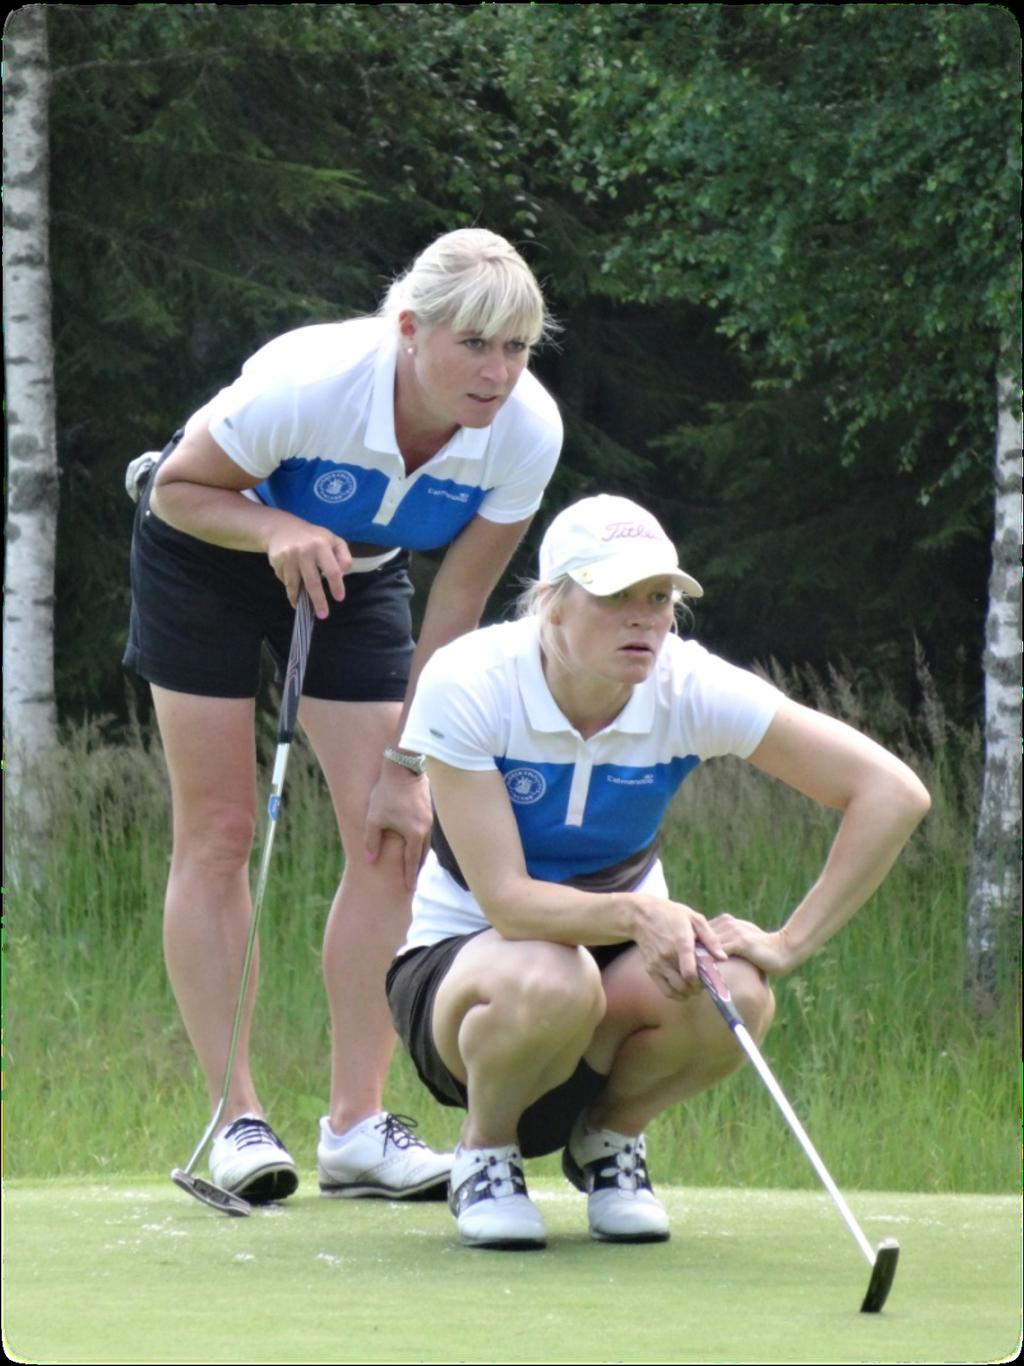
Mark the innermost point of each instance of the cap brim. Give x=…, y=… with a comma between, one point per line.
x=613, y=576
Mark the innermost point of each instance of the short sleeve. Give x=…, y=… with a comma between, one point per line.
x=254, y=421
x=725, y=709
x=451, y=720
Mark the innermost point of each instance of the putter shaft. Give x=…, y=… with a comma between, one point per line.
x=883, y=1262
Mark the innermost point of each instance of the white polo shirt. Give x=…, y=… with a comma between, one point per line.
x=312, y=415
x=482, y=703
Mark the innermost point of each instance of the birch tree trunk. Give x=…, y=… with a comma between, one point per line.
x=30, y=708
x=993, y=899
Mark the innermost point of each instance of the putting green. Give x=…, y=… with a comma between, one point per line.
x=136, y=1272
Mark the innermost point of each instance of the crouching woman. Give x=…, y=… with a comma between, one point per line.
x=548, y=982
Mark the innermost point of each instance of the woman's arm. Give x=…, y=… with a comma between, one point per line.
x=198, y=490
x=882, y=802
x=472, y=565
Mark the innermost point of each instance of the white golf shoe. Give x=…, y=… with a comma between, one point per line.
x=381, y=1157
x=248, y=1159
x=610, y=1167
x=489, y=1200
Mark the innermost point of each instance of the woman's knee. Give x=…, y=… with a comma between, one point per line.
x=752, y=996
x=554, y=987
x=217, y=835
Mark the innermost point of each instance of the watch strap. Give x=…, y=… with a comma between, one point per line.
x=415, y=763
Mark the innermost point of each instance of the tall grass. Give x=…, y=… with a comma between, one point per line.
x=899, y=1085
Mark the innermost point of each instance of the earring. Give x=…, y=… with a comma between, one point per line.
x=410, y=350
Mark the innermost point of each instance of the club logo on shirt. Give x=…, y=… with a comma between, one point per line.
x=525, y=785
x=337, y=486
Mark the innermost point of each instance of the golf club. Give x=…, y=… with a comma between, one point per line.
x=298, y=653
x=883, y=1261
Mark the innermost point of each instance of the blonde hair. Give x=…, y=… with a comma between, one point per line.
x=472, y=280
x=539, y=599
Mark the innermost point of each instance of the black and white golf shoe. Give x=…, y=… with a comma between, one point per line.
x=489, y=1200
x=248, y=1159
x=610, y=1168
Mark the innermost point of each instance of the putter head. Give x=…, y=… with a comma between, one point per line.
x=209, y=1194
x=884, y=1270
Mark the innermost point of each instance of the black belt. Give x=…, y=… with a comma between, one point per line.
x=362, y=550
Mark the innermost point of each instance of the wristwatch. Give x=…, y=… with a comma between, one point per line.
x=415, y=763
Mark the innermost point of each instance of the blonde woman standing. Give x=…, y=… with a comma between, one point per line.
x=339, y=449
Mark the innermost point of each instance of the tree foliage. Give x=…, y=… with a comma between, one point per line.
x=777, y=237
x=839, y=183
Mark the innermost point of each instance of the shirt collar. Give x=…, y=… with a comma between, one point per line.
x=380, y=427
x=468, y=443
x=544, y=713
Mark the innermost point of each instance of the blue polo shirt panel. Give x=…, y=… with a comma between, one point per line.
x=582, y=805
x=428, y=513
x=614, y=823
x=313, y=412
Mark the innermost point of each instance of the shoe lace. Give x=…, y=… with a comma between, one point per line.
x=246, y=1133
x=397, y=1130
x=498, y=1179
x=627, y=1170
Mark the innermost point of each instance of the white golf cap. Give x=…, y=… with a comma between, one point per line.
x=606, y=543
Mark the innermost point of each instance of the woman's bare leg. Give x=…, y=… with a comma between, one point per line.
x=210, y=751
x=371, y=908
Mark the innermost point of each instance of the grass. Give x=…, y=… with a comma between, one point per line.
x=899, y=1084
x=113, y=1271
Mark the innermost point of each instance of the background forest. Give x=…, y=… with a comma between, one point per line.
x=782, y=243
x=787, y=347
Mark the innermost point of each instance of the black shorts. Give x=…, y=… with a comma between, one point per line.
x=412, y=984
x=201, y=613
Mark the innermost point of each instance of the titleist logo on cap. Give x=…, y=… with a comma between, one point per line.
x=624, y=530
